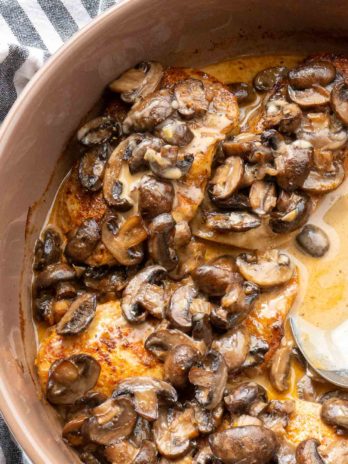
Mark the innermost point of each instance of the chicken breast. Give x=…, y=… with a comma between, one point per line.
x=119, y=346
x=74, y=204
x=115, y=344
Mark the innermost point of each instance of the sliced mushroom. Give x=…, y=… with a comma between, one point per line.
x=161, y=241
x=92, y=167
x=48, y=249
x=293, y=164
x=136, y=148
x=209, y=378
x=326, y=133
x=82, y=242
x=255, y=172
x=44, y=308
x=178, y=312
x=291, y=213
x=205, y=456
x=318, y=182
x=339, y=101
x=257, y=350
x=314, y=73
x=124, y=242
x=269, y=77
x=262, y=197
x=147, y=454
x=234, y=346
x=138, y=82
x=201, y=327
x=227, y=178
x=266, y=269
x=276, y=414
x=334, y=412
x=175, y=132
x=105, y=280
x=111, y=421
x=190, y=257
x=132, y=303
x=79, y=315
x=212, y=279
x=191, y=98
x=152, y=299
x=119, y=202
x=72, y=430
x=306, y=390
x=207, y=421
x=234, y=221
x=148, y=112
x=249, y=444
x=238, y=300
x=70, y=378
x=88, y=457
x=236, y=202
x=53, y=274
x=166, y=164
x=182, y=235
x=155, y=197
x=146, y=393
x=313, y=96
x=162, y=342
x=242, y=91
x=313, y=240
x=307, y=452
x=173, y=432
x=283, y=115
x=121, y=451
x=65, y=290
x=280, y=368
x=242, y=397
x=240, y=145
x=178, y=363
x=99, y=130
x=142, y=432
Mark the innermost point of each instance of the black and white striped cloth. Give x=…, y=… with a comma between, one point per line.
x=31, y=31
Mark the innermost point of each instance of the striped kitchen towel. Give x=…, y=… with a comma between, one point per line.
x=30, y=31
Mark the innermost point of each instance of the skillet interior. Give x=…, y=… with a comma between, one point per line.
x=33, y=140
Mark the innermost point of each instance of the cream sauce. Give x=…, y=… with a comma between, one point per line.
x=322, y=303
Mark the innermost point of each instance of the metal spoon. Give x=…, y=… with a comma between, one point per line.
x=326, y=351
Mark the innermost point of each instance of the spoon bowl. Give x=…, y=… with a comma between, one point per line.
x=324, y=350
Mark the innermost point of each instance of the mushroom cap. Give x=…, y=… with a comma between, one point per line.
x=250, y=444
x=83, y=241
x=79, y=315
x=131, y=306
x=266, y=269
x=147, y=392
x=307, y=452
x=110, y=422
x=209, y=377
x=163, y=341
x=71, y=378
x=138, y=82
